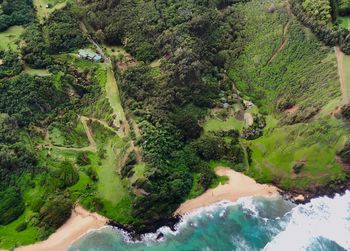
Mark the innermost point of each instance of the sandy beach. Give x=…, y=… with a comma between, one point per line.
x=80, y=222
x=238, y=186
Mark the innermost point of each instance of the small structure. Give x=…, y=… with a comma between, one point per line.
x=248, y=103
x=1, y=62
x=90, y=55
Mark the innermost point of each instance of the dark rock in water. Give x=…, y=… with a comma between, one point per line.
x=160, y=236
x=136, y=232
x=304, y=196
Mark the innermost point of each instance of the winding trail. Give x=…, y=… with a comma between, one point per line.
x=343, y=87
x=88, y=132
x=113, y=96
x=284, y=38
x=92, y=144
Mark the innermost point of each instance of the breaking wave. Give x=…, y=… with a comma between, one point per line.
x=248, y=224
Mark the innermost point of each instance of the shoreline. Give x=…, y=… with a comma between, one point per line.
x=238, y=186
x=80, y=222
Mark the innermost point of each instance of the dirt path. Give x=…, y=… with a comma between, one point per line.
x=104, y=123
x=135, y=128
x=248, y=117
x=113, y=95
x=106, y=59
x=340, y=61
x=88, y=132
x=284, y=38
x=92, y=143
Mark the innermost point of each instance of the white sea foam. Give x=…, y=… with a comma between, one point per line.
x=191, y=219
x=322, y=217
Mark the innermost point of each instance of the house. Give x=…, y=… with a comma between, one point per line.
x=1, y=62
x=89, y=55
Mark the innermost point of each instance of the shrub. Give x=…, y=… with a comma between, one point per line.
x=68, y=174
x=83, y=159
x=11, y=205
x=21, y=227
x=55, y=212
x=298, y=167
x=344, y=153
x=345, y=111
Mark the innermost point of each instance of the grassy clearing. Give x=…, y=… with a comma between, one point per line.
x=68, y=135
x=114, y=51
x=114, y=96
x=315, y=143
x=9, y=38
x=303, y=72
x=344, y=22
x=347, y=73
x=139, y=172
x=43, y=12
x=9, y=235
x=110, y=185
x=306, y=75
x=216, y=124
x=37, y=72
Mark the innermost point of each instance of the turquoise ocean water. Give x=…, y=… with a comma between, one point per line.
x=249, y=224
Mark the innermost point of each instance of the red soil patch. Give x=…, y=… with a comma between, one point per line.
x=292, y=109
x=337, y=112
x=343, y=165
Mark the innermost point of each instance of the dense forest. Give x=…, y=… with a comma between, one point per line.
x=179, y=88
x=15, y=12
x=196, y=41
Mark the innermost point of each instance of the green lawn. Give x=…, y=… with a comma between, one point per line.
x=316, y=143
x=116, y=51
x=347, y=73
x=139, y=171
x=9, y=37
x=216, y=124
x=110, y=186
x=37, y=72
x=344, y=22
x=9, y=235
x=113, y=96
x=43, y=12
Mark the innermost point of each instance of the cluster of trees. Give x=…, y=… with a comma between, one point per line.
x=343, y=7
x=319, y=10
x=26, y=101
x=35, y=50
x=26, y=97
x=15, y=12
x=315, y=20
x=196, y=40
x=14, y=160
x=153, y=29
x=63, y=32
x=11, y=65
x=256, y=129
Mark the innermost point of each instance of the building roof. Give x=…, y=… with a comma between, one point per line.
x=87, y=53
x=1, y=62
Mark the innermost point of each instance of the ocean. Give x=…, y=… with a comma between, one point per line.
x=249, y=224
